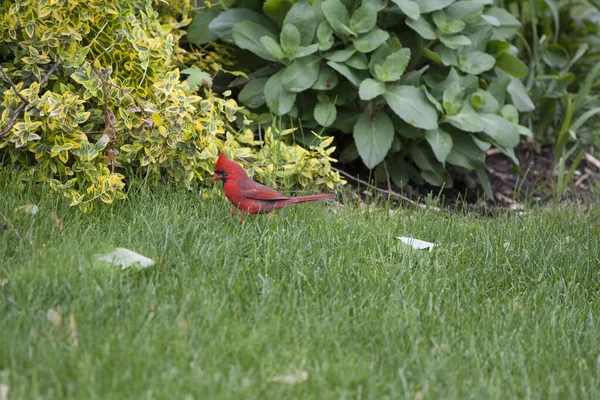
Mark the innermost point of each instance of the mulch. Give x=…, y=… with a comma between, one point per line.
x=534, y=183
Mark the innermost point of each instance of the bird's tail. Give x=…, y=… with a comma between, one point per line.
x=313, y=197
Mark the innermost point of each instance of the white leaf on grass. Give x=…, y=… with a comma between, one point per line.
x=4, y=392
x=28, y=209
x=300, y=376
x=55, y=318
x=3, y=281
x=127, y=258
x=416, y=243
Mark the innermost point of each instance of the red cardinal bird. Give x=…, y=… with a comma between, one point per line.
x=251, y=197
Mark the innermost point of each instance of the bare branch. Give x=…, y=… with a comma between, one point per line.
x=389, y=192
x=22, y=106
x=109, y=116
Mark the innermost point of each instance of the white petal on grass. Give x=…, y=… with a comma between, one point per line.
x=126, y=258
x=300, y=376
x=416, y=243
x=28, y=209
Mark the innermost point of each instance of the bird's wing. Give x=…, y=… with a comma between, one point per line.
x=256, y=191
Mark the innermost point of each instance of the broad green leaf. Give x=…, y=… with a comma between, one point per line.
x=410, y=104
x=475, y=62
x=340, y=55
x=336, y=14
x=484, y=180
x=409, y=8
x=440, y=142
x=446, y=26
x=484, y=102
x=449, y=57
x=499, y=85
x=512, y=65
x=247, y=36
x=466, y=11
x=253, y=94
x=405, y=130
x=422, y=27
x=373, y=134
x=505, y=25
x=428, y=6
x=421, y=158
x=394, y=66
x=325, y=113
x=279, y=100
x=304, y=51
x=480, y=37
x=277, y=9
x=432, y=99
x=434, y=178
x=345, y=121
x=465, y=153
x=327, y=80
x=303, y=17
x=358, y=61
x=325, y=36
x=223, y=24
x=378, y=5
x=455, y=41
x=372, y=40
x=502, y=131
x=370, y=88
x=272, y=47
x=510, y=113
x=452, y=98
x=353, y=75
x=363, y=19
x=302, y=74
x=466, y=119
x=433, y=56
x=398, y=169
x=520, y=97
x=198, y=32
x=290, y=38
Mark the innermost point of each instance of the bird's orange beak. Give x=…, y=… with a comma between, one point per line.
x=216, y=177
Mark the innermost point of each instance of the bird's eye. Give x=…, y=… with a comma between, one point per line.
x=220, y=171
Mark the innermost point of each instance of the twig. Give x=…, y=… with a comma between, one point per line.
x=592, y=160
x=108, y=115
x=387, y=176
x=104, y=90
x=10, y=82
x=19, y=110
x=389, y=192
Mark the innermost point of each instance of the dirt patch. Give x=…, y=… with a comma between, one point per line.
x=534, y=183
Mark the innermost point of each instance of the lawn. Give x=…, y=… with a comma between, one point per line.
x=320, y=295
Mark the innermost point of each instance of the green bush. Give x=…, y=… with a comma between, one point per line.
x=419, y=84
x=101, y=104
x=562, y=48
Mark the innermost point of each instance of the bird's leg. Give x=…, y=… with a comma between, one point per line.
x=232, y=213
x=242, y=214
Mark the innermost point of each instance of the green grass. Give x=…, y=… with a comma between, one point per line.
x=504, y=307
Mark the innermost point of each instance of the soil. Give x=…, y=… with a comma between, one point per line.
x=533, y=183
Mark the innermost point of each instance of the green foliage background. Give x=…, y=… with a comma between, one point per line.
x=115, y=110
x=420, y=85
